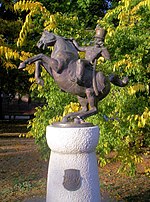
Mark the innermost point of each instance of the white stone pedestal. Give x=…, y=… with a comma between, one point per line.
x=73, y=172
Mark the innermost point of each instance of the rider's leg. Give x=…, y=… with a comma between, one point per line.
x=79, y=70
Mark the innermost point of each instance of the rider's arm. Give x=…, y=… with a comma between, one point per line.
x=79, y=48
x=105, y=53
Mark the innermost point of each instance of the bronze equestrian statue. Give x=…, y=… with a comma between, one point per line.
x=63, y=65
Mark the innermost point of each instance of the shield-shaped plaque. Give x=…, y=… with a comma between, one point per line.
x=72, y=179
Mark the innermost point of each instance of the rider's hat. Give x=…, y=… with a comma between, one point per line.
x=100, y=32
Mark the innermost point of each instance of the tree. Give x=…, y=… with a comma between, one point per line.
x=11, y=79
x=124, y=115
x=87, y=11
x=126, y=111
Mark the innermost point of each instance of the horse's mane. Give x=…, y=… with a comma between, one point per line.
x=51, y=33
x=57, y=36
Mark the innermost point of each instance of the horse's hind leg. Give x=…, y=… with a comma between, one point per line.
x=82, y=114
x=92, y=103
x=83, y=102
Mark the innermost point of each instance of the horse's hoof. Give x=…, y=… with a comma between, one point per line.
x=64, y=120
x=40, y=82
x=22, y=65
x=77, y=120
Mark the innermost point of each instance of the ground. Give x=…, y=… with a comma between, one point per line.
x=23, y=172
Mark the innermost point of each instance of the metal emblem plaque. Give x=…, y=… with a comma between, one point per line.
x=72, y=179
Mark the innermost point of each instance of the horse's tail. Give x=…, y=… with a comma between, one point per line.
x=113, y=78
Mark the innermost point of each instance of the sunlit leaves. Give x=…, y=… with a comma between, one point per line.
x=137, y=87
x=62, y=24
x=25, y=29
x=8, y=53
x=141, y=120
x=72, y=107
x=127, y=123
x=33, y=9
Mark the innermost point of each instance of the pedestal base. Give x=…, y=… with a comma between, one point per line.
x=73, y=173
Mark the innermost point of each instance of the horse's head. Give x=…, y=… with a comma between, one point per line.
x=47, y=39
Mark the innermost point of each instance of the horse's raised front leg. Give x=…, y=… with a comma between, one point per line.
x=31, y=60
x=49, y=62
x=38, y=73
x=38, y=65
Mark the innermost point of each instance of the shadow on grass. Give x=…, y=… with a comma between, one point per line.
x=142, y=197
x=13, y=126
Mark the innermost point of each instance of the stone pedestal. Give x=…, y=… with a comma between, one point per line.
x=73, y=172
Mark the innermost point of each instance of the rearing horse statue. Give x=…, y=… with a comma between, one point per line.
x=62, y=67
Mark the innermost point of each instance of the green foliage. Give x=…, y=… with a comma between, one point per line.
x=87, y=11
x=11, y=79
x=38, y=17
x=126, y=110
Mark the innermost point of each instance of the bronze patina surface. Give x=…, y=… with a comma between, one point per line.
x=71, y=124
